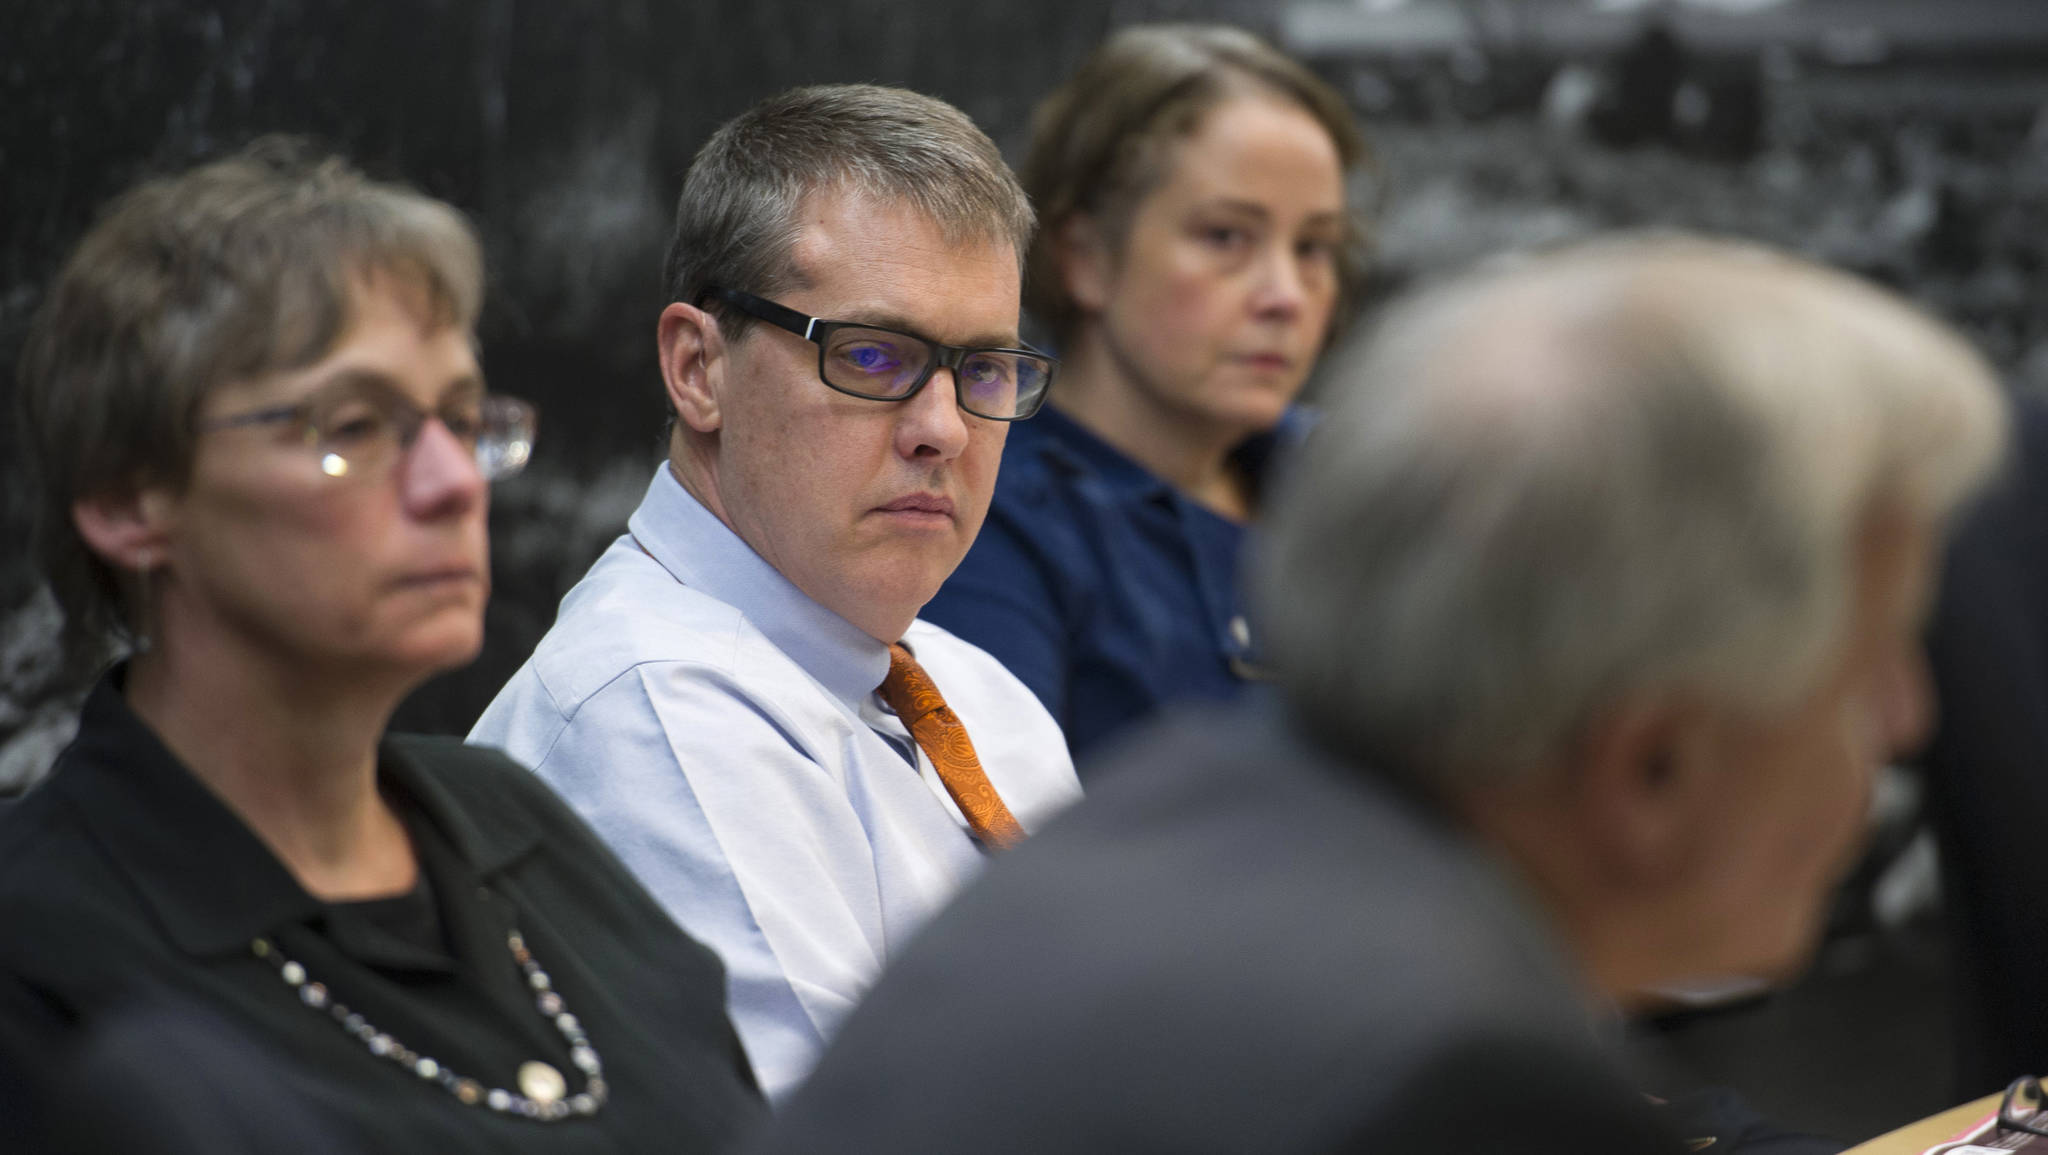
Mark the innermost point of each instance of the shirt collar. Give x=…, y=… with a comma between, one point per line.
x=1068, y=442
x=211, y=882
x=702, y=552
x=1076, y=446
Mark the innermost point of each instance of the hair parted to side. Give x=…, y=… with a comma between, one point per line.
x=1102, y=141
x=738, y=215
x=224, y=273
x=1638, y=466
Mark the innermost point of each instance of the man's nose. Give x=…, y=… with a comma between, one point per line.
x=932, y=424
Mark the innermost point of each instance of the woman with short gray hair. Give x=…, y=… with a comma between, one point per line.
x=253, y=408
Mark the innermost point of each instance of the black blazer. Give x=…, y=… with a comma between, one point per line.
x=1234, y=944
x=130, y=895
x=1987, y=768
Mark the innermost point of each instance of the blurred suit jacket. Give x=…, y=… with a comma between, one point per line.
x=1987, y=768
x=1237, y=943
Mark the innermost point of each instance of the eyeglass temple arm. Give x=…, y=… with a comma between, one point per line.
x=781, y=316
x=259, y=417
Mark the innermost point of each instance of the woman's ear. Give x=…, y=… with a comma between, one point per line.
x=693, y=364
x=130, y=529
x=1083, y=258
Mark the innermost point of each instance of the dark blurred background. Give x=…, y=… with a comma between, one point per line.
x=1903, y=139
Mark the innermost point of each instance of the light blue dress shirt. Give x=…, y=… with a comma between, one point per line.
x=722, y=733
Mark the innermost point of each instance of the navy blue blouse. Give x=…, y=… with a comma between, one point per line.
x=1105, y=589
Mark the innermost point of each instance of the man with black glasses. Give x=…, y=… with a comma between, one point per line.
x=738, y=696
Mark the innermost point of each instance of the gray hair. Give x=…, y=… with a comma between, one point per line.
x=737, y=217
x=227, y=272
x=1639, y=465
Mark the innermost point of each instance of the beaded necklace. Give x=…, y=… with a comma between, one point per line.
x=542, y=1089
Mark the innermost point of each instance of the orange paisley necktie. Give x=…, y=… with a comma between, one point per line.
x=910, y=692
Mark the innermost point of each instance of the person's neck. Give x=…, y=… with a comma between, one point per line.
x=699, y=481
x=292, y=754
x=690, y=470
x=1189, y=453
x=1613, y=934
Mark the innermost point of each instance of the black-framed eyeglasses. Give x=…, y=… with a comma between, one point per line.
x=2020, y=1110
x=360, y=426
x=883, y=364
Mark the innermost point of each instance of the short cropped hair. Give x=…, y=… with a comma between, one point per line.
x=1101, y=142
x=738, y=216
x=225, y=273
x=1633, y=467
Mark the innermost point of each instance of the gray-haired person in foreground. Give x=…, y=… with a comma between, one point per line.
x=1595, y=601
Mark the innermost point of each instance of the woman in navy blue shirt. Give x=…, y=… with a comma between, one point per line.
x=1196, y=240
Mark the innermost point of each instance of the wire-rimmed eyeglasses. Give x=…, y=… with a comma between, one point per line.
x=883, y=364
x=359, y=426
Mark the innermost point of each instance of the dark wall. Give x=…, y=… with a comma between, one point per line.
x=562, y=128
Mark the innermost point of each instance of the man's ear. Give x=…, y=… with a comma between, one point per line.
x=1083, y=258
x=130, y=528
x=693, y=364
x=1642, y=781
